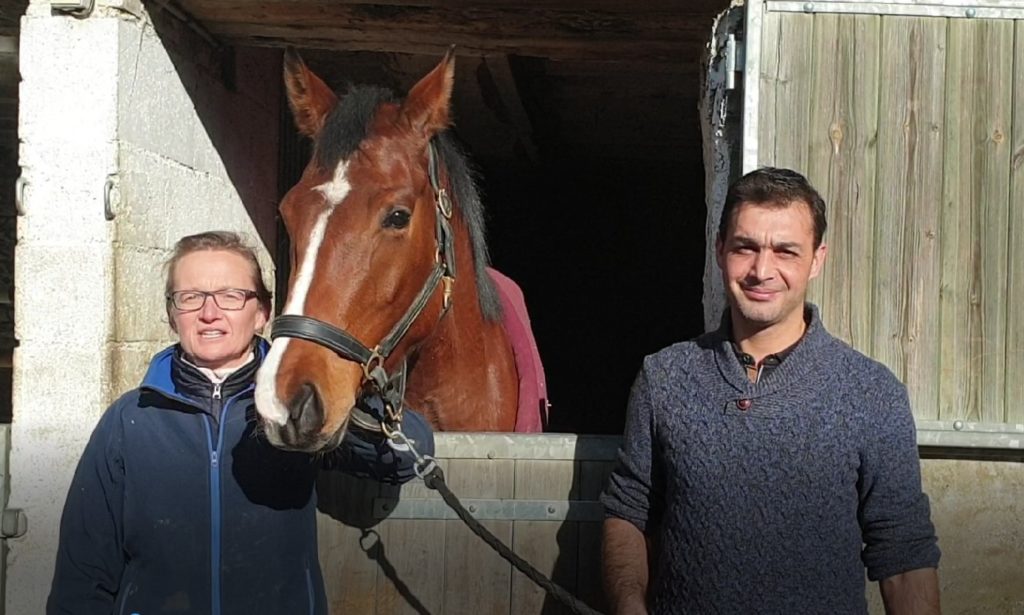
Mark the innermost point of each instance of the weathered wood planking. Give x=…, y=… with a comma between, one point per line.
x=349, y=574
x=823, y=123
x=533, y=540
x=437, y=566
x=855, y=226
x=976, y=217
x=958, y=313
x=793, y=91
x=992, y=137
x=412, y=549
x=769, y=79
x=910, y=156
x=1015, y=271
x=476, y=579
x=921, y=234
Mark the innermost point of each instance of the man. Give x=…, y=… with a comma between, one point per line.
x=766, y=464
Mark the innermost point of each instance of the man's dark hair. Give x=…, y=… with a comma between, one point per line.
x=772, y=187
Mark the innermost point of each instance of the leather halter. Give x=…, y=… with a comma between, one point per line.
x=347, y=346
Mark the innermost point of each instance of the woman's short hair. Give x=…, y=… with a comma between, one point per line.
x=226, y=241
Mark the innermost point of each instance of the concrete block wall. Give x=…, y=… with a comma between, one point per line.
x=63, y=282
x=978, y=514
x=197, y=150
x=188, y=136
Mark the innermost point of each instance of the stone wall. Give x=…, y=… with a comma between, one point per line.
x=183, y=137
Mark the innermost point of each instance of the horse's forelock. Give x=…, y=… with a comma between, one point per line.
x=348, y=124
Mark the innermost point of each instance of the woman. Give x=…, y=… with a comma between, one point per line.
x=178, y=505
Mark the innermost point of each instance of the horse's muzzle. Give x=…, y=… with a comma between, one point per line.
x=302, y=431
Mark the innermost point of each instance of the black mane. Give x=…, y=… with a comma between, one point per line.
x=349, y=124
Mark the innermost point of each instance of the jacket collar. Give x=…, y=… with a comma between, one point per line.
x=170, y=375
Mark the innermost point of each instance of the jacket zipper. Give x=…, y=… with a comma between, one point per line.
x=215, y=511
x=309, y=592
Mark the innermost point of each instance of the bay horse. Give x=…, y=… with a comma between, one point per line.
x=385, y=215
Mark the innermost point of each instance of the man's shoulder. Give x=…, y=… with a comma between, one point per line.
x=858, y=370
x=685, y=356
x=861, y=366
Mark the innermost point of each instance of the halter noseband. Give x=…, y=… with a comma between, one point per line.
x=346, y=345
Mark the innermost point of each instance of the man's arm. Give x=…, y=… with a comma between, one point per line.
x=630, y=498
x=915, y=592
x=894, y=515
x=624, y=567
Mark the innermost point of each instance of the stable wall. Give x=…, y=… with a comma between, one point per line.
x=183, y=137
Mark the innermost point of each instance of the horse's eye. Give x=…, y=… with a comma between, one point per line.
x=397, y=219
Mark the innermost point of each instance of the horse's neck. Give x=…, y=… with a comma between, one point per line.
x=464, y=377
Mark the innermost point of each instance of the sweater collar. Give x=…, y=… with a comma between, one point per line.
x=800, y=359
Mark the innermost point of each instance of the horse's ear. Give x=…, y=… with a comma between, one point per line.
x=308, y=96
x=426, y=106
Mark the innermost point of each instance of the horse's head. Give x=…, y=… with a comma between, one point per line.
x=363, y=222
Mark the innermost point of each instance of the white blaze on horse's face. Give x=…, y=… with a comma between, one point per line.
x=268, y=404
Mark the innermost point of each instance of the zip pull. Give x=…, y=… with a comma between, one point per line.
x=213, y=458
x=216, y=390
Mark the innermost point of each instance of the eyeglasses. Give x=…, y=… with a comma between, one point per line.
x=231, y=299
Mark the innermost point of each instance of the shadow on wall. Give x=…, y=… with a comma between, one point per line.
x=9, y=172
x=236, y=92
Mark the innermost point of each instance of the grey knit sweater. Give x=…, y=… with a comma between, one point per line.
x=771, y=497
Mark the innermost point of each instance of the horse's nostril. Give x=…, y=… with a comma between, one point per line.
x=306, y=409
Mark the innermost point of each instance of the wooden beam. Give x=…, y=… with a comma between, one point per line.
x=543, y=32
x=711, y=7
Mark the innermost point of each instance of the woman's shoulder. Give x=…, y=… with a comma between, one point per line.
x=140, y=403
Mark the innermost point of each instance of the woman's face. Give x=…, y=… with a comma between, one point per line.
x=212, y=336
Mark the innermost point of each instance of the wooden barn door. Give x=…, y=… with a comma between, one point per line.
x=910, y=121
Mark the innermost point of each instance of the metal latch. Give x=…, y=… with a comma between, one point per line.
x=735, y=58
x=13, y=523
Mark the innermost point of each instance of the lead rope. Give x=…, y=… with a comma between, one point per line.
x=427, y=469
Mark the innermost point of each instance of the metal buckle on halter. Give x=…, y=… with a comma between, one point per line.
x=444, y=202
x=375, y=362
x=448, y=282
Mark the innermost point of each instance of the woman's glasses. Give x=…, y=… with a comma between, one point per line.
x=228, y=299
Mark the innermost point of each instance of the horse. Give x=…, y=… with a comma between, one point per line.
x=384, y=216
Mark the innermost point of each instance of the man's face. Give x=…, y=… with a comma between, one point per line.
x=211, y=336
x=767, y=257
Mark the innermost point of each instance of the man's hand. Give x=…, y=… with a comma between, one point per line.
x=915, y=592
x=624, y=567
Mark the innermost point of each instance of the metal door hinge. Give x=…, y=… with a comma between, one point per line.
x=735, y=57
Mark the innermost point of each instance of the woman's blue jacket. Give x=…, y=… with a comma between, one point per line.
x=178, y=505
